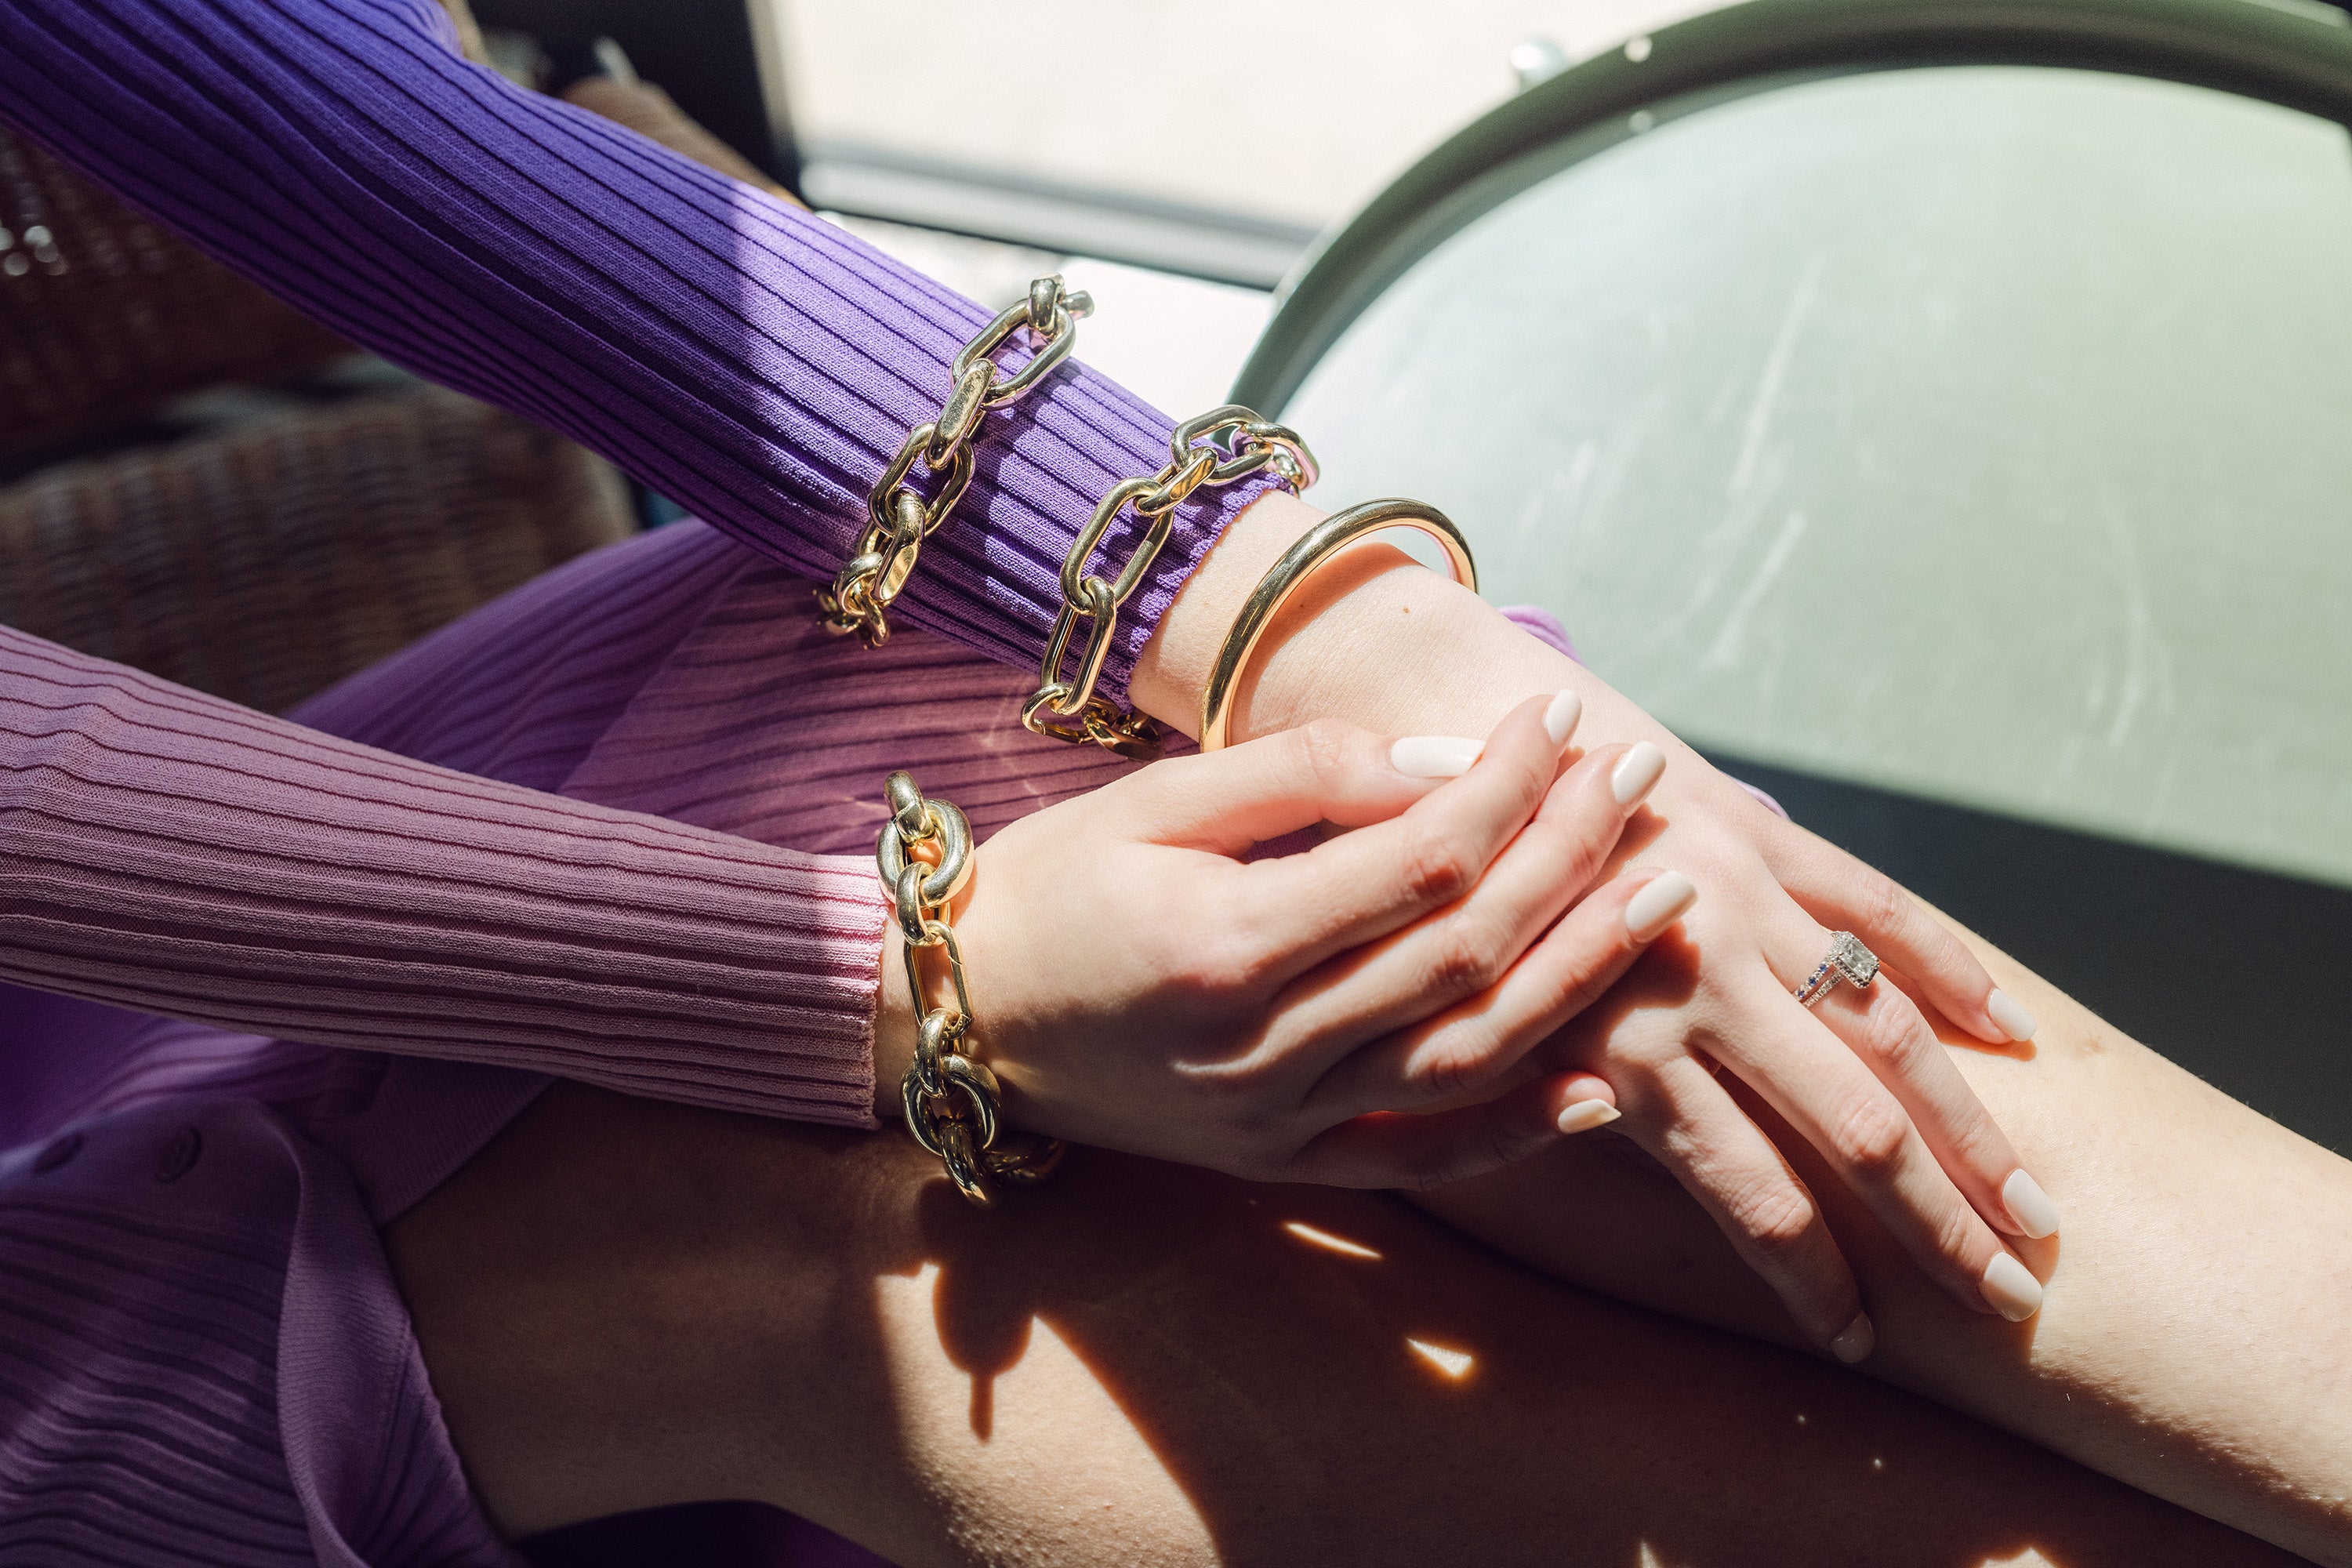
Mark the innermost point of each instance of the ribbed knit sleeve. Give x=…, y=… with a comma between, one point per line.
x=169, y=852
x=751, y=362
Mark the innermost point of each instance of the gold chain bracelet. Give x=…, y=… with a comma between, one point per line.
x=1218, y=448
x=899, y=519
x=954, y=1105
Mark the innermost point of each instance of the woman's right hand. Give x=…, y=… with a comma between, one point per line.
x=1138, y=985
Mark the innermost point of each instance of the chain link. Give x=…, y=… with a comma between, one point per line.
x=899, y=519
x=952, y=1102
x=1218, y=448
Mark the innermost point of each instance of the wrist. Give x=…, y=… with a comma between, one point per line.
x=894, y=1025
x=1372, y=638
x=1310, y=657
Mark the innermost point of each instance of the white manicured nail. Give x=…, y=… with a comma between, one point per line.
x=2029, y=1206
x=1560, y=719
x=2014, y=1021
x=2011, y=1288
x=1435, y=757
x=1855, y=1341
x=1584, y=1115
x=1659, y=904
x=1637, y=773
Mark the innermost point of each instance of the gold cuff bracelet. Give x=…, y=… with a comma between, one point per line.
x=1322, y=542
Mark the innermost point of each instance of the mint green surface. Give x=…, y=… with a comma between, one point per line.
x=1980, y=433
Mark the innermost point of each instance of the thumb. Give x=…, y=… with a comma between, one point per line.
x=1228, y=800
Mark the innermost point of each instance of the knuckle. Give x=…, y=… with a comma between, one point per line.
x=1777, y=1220
x=1437, y=867
x=1577, y=847
x=1883, y=902
x=1325, y=752
x=1889, y=1034
x=1467, y=957
x=1870, y=1135
x=1956, y=1239
x=1442, y=1070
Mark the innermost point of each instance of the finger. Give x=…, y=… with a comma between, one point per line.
x=1469, y=1049
x=1469, y=945
x=1414, y=1154
x=1862, y=1131
x=1227, y=801
x=1689, y=1124
x=1843, y=894
x=1885, y=1029
x=1363, y=885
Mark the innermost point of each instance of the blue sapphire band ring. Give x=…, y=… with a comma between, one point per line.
x=1848, y=961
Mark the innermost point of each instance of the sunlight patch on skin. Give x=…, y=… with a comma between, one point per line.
x=1453, y=1363
x=1057, y=1437
x=1329, y=1243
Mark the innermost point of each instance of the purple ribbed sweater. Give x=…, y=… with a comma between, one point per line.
x=755, y=363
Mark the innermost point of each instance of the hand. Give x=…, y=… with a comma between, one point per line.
x=1862, y=1078
x=1136, y=984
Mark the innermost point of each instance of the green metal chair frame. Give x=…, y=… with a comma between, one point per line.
x=2292, y=52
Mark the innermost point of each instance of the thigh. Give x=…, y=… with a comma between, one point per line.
x=625, y=1303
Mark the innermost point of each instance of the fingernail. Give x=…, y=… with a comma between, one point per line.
x=1659, y=904
x=1560, y=719
x=1855, y=1341
x=1433, y=756
x=2013, y=1291
x=2014, y=1021
x=1637, y=773
x=2029, y=1206
x=1584, y=1115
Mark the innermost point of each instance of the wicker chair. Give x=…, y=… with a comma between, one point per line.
x=266, y=560
x=269, y=560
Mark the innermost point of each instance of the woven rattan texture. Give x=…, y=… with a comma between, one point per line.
x=266, y=563
x=104, y=316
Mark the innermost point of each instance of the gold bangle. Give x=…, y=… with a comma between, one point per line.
x=1325, y=540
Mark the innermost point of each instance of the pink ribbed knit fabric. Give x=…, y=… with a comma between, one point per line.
x=175, y=853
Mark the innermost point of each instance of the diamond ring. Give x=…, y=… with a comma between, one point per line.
x=1848, y=961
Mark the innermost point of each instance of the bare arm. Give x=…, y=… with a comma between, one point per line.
x=2196, y=1340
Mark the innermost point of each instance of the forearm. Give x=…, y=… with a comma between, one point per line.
x=2193, y=1341
x=172, y=852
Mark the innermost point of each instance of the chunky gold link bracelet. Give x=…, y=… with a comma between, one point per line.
x=1218, y=448
x=899, y=519
x=954, y=1105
